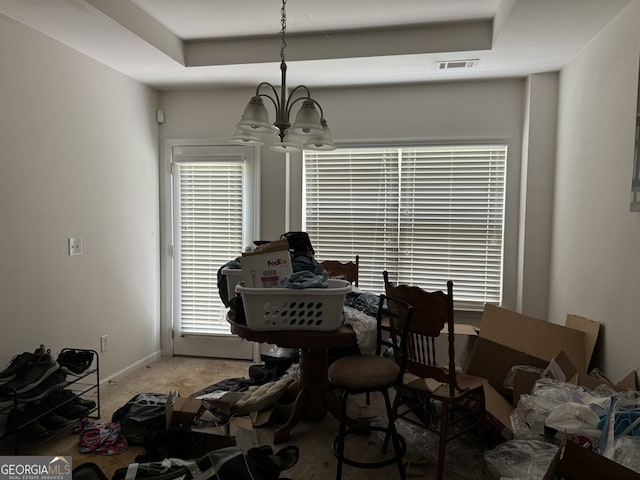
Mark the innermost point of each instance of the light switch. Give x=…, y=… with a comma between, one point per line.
x=75, y=246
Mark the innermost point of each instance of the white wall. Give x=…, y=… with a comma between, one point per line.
x=536, y=194
x=78, y=157
x=595, y=258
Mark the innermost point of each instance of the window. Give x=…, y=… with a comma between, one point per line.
x=425, y=214
x=210, y=200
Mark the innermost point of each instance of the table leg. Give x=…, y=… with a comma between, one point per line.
x=310, y=404
x=315, y=397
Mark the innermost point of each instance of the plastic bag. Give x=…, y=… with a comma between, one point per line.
x=626, y=452
x=605, y=444
x=527, y=419
x=521, y=459
x=550, y=392
x=618, y=422
x=574, y=418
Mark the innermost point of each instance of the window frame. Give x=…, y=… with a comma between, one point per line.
x=251, y=221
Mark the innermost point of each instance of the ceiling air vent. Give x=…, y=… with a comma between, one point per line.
x=457, y=64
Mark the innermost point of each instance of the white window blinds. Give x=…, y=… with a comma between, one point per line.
x=425, y=214
x=351, y=207
x=209, y=211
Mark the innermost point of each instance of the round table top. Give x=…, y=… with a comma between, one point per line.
x=342, y=337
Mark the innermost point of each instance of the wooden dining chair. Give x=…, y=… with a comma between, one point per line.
x=346, y=270
x=428, y=385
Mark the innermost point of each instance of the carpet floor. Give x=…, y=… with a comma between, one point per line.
x=316, y=462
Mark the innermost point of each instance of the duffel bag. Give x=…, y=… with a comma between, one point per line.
x=230, y=463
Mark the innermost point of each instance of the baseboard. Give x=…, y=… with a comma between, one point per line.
x=131, y=368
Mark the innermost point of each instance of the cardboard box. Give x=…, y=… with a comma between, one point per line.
x=181, y=412
x=574, y=462
x=559, y=368
x=266, y=267
x=223, y=401
x=595, y=379
x=508, y=338
x=591, y=329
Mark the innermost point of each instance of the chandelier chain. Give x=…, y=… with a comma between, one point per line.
x=283, y=23
x=309, y=129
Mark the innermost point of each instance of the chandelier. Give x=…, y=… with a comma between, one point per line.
x=309, y=130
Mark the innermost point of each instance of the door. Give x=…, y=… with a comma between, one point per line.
x=213, y=196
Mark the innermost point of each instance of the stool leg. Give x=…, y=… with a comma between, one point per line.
x=397, y=447
x=394, y=411
x=342, y=434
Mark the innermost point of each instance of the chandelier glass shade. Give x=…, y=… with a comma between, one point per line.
x=309, y=129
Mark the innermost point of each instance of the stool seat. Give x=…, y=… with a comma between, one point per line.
x=364, y=372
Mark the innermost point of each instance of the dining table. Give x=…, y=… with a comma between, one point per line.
x=315, y=396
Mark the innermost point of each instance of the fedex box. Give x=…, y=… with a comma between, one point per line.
x=265, y=268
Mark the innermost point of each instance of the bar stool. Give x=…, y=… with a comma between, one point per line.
x=359, y=374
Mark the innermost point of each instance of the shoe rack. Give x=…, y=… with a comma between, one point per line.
x=84, y=388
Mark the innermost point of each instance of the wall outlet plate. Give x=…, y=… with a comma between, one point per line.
x=75, y=246
x=104, y=343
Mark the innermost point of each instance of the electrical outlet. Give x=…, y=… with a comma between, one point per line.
x=75, y=246
x=104, y=343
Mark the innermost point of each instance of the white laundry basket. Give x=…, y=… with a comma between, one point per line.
x=234, y=277
x=294, y=309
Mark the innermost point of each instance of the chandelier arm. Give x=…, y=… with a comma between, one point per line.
x=290, y=105
x=291, y=101
x=276, y=101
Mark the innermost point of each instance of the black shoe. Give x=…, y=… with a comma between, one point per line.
x=75, y=362
x=67, y=405
x=36, y=371
x=50, y=420
x=72, y=411
x=56, y=381
x=58, y=397
x=22, y=423
x=18, y=363
x=85, y=402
